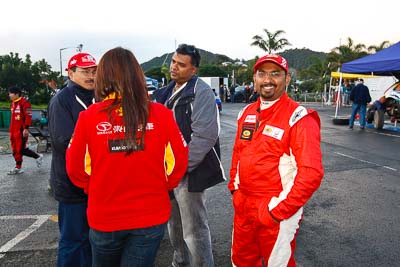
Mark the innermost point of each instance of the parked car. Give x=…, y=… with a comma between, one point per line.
x=253, y=98
x=387, y=105
x=240, y=94
x=150, y=90
x=151, y=81
x=218, y=102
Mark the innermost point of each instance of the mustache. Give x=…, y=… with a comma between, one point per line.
x=90, y=81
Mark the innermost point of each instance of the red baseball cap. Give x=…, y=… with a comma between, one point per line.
x=81, y=60
x=277, y=59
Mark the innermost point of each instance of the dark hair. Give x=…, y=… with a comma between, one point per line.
x=192, y=51
x=119, y=72
x=15, y=90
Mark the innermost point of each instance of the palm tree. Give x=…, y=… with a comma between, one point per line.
x=315, y=75
x=376, y=48
x=272, y=42
x=165, y=71
x=316, y=70
x=345, y=53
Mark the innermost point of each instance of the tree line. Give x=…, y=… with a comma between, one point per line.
x=37, y=78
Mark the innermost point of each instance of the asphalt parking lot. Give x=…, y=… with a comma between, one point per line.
x=352, y=220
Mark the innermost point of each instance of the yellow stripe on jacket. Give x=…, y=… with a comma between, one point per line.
x=169, y=159
x=88, y=161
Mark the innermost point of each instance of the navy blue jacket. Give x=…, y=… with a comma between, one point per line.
x=64, y=109
x=360, y=94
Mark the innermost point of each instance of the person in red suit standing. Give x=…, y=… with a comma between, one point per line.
x=21, y=117
x=276, y=168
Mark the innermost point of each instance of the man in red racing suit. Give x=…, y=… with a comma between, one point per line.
x=276, y=167
x=21, y=117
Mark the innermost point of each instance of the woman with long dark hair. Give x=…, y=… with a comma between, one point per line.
x=126, y=153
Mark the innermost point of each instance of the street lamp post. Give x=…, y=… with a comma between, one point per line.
x=78, y=49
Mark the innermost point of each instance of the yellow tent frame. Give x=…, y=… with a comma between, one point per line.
x=335, y=74
x=342, y=75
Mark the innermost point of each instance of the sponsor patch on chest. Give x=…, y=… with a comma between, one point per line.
x=250, y=119
x=246, y=134
x=273, y=132
x=247, y=131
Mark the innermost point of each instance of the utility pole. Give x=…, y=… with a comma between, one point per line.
x=78, y=49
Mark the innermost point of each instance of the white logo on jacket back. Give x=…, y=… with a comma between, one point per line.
x=104, y=128
x=107, y=128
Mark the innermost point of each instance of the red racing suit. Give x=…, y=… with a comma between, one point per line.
x=21, y=117
x=276, y=167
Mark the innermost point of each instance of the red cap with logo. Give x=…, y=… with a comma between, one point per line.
x=277, y=59
x=81, y=60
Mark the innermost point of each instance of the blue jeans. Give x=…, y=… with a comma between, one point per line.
x=188, y=228
x=136, y=247
x=74, y=246
x=358, y=108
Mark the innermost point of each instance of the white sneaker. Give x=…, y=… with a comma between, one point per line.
x=39, y=161
x=15, y=171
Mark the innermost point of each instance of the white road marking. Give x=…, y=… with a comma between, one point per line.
x=366, y=161
x=40, y=219
x=386, y=134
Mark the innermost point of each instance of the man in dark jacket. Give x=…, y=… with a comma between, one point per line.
x=195, y=111
x=360, y=97
x=64, y=108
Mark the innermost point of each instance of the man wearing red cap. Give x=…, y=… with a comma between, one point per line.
x=64, y=108
x=276, y=167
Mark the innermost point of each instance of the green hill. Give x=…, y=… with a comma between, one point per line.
x=206, y=58
x=298, y=58
x=301, y=58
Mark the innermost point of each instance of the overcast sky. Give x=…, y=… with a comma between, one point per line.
x=151, y=28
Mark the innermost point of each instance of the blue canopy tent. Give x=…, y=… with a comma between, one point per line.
x=383, y=63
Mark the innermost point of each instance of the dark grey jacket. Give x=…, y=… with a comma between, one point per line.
x=64, y=109
x=197, y=116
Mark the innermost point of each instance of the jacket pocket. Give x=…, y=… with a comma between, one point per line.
x=207, y=174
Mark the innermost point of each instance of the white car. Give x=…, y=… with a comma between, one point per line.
x=388, y=104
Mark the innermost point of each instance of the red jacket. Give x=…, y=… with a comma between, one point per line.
x=21, y=115
x=126, y=192
x=277, y=155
